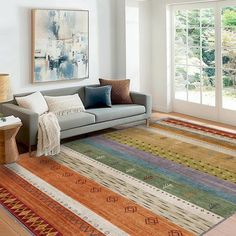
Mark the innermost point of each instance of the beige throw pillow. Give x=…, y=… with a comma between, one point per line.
x=34, y=102
x=62, y=105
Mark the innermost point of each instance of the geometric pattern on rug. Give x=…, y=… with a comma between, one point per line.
x=24, y=214
x=222, y=137
x=173, y=179
x=154, y=199
x=40, y=205
x=194, y=126
x=191, y=173
x=121, y=212
x=86, y=220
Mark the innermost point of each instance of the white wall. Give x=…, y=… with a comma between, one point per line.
x=107, y=44
x=145, y=46
x=133, y=44
x=159, y=56
x=120, y=39
x=15, y=40
x=111, y=33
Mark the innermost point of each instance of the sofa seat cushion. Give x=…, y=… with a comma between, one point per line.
x=75, y=120
x=117, y=112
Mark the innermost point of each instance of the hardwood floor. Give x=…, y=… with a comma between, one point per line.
x=226, y=228
x=9, y=227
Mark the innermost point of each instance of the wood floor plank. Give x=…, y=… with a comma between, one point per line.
x=226, y=228
x=9, y=226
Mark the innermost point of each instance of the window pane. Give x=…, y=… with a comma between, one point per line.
x=229, y=58
x=229, y=16
x=194, y=56
x=181, y=55
x=194, y=84
x=208, y=57
x=181, y=83
x=194, y=36
x=181, y=19
x=229, y=37
x=229, y=89
x=194, y=18
x=208, y=86
x=180, y=37
x=207, y=17
x=208, y=37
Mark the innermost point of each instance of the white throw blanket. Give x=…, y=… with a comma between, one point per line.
x=48, y=135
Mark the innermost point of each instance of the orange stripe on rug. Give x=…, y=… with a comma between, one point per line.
x=120, y=211
x=38, y=212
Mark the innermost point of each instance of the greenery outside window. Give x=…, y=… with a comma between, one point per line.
x=205, y=55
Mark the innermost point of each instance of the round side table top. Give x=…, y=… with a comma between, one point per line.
x=12, y=126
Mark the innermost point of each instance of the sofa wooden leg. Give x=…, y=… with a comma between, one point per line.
x=147, y=122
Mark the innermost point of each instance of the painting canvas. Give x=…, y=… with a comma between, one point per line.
x=60, y=45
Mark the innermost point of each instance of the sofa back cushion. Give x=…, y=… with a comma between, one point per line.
x=59, y=92
x=66, y=91
x=120, y=93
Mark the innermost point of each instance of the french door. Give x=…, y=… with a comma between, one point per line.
x=204, y=60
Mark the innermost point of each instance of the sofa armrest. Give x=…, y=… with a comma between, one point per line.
x=143, y=99
x=28, y=132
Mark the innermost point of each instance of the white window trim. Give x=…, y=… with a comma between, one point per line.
x=219, y=113
x=185, y=7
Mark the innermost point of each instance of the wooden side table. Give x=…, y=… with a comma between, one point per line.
x=8, y=148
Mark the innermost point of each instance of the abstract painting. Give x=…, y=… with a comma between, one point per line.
x=60, y=45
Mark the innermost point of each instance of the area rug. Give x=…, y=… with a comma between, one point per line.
x=174, y=178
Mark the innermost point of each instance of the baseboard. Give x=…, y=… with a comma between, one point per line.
x=161, y=109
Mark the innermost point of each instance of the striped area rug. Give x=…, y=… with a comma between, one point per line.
x=174, y=178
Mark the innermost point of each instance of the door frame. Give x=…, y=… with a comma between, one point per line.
x=224, y=115
x=217, y=112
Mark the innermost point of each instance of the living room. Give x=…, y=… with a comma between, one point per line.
x=118, y=117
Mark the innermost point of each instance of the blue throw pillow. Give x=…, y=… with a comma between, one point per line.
x=97, y=97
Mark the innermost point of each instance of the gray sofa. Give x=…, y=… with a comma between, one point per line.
x=80, y=123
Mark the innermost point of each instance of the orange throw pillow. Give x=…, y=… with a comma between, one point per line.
x=120, y=93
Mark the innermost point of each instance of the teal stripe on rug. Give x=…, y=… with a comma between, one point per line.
x=150, y=175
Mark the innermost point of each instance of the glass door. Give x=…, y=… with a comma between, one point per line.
x=228, y=62
x=204, y=61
